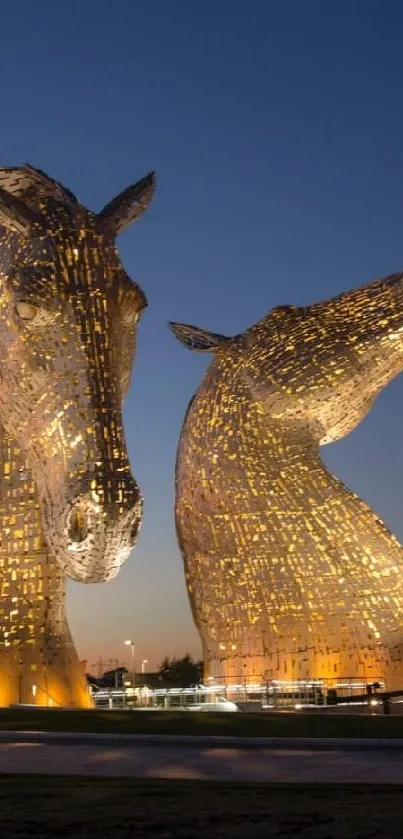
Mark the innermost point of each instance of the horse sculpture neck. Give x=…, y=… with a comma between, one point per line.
x=290, y=574
x=34, y=635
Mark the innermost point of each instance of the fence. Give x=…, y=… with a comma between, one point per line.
x=273, y=694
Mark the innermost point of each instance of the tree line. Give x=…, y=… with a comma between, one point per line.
x=171, y=673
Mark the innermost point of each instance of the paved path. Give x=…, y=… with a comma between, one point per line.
x=203, y=762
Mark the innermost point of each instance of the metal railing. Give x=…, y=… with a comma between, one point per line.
x=269, y=695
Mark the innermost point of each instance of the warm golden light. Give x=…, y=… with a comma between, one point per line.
x=69, y=504
x=290, y=574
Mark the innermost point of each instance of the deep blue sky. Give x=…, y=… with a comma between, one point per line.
x=276, y=128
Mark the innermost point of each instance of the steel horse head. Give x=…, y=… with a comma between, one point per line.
x=289, y=573
x=68, y=316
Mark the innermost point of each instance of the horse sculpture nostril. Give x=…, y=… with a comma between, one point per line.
x=135, y=526
x=77, y=527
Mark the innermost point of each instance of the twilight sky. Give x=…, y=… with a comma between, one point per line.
x=276, y=129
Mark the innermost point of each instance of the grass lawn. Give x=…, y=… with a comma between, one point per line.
x=94, y=808
x=160, y=722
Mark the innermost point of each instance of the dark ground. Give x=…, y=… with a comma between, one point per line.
x=49, y=807
x=297, y=724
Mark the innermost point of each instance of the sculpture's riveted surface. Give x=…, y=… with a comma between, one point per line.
x=69, y=504
x=290, y=575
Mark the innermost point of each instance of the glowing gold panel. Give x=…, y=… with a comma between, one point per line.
x=69, y=505
x=290, y=575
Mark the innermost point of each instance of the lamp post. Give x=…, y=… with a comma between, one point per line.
x=143, y=665
x=130, y=644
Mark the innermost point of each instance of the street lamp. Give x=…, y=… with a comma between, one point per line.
x=143, y=663
x=131, y=645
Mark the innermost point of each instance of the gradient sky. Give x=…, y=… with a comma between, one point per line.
x=276, y=129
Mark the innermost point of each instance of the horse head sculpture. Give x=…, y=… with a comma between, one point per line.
x=290, y=574
x=68, y=316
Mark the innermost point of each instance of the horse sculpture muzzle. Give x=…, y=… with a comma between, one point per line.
x=93, y=530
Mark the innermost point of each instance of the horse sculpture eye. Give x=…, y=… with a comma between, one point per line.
x=26, y=311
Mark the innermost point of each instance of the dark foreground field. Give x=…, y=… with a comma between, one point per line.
x=96, y=808
x=176, y=723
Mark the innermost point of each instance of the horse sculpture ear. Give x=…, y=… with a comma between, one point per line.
x=198, y=339
x=128, y=206
x=15, y=215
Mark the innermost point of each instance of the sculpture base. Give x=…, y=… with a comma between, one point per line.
x=51, y=678
x=380, y=664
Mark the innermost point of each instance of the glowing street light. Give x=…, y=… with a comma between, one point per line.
x=143, y=665
x=130, y=644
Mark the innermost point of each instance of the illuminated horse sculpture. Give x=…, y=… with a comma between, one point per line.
x=290, y=575
x=69, y=505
